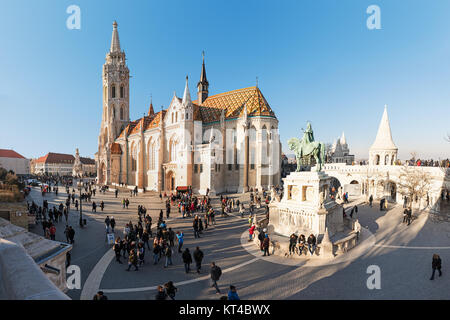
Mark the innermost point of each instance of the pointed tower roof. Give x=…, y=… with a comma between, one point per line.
x=115, y=43
x=186, y=96
x=151, y=111
x=384, y=141
x=342, y=140
x=203, y=74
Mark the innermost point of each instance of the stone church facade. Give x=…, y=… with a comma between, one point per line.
x=226, y=142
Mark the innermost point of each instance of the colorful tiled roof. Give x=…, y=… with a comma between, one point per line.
x=5, y=153
x=52, y=157
x=210, y=110
x=233, y=102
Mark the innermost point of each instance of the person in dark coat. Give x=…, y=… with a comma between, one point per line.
x=311, y=243
x=266, y=245
x=436, y=264
x=187, y=259
x=292, y=243
x=161, y=294
x=215, y=272
x=100, y=296
x=198, y=257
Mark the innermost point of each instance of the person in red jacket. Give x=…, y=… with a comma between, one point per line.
x=251, y=231
x=52, y=232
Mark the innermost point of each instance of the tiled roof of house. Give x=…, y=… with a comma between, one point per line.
x=56, y=158
x=84, y=160
x=5, y=153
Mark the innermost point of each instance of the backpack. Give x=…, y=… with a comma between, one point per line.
x=219, y=271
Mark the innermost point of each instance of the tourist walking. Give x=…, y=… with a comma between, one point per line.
x=168, y=256
x=187, y=260
x=117, y=248
x=132, y=260
x=112, y=222
x=198, y=257
x=71, y=235
x=215, y=272
x=261, y=237
x=370, y=201
x=170, y=290
x=436, y=264
x=107, y=223
x=161, y=294
x=251, y=231
x=180, y=238
x=266, y=244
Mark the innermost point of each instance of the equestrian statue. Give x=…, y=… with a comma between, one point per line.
x=308, y=148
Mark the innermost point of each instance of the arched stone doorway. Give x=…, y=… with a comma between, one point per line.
x=170, y=181
x=353, y=188
x=392, y=191
x=334, y=186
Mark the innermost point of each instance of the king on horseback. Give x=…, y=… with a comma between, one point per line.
x=308, y=148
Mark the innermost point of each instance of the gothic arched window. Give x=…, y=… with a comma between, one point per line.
x=122, y=90
x=173, y=150
x=133, y=157
x=113, y=91
x=121, y=113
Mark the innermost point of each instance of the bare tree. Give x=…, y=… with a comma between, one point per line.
x=414, y=182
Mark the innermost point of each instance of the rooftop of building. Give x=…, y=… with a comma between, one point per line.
x=9, y=153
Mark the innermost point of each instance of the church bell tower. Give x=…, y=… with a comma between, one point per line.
x=116, y=103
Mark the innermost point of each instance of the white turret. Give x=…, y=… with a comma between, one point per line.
x=186, y=95
x=383, y=150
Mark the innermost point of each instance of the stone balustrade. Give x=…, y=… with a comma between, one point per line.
x=21, y=278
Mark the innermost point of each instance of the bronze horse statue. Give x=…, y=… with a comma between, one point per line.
x=307, y=147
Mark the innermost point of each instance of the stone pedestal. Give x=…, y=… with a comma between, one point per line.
x=306, y=206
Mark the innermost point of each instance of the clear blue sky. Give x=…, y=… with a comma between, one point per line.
x=316, y=60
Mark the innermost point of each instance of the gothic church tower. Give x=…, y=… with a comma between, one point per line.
x=116, y=103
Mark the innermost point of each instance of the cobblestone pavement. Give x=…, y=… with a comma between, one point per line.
x=402, y=252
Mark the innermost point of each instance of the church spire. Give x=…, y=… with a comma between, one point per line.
x=186, y=96
x=115, y=43
x=203, y=85
x=343, y=140
x=151, y=111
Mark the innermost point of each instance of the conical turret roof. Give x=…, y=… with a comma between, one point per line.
x=186, y=96
x=384, y=141
x=115, y=43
